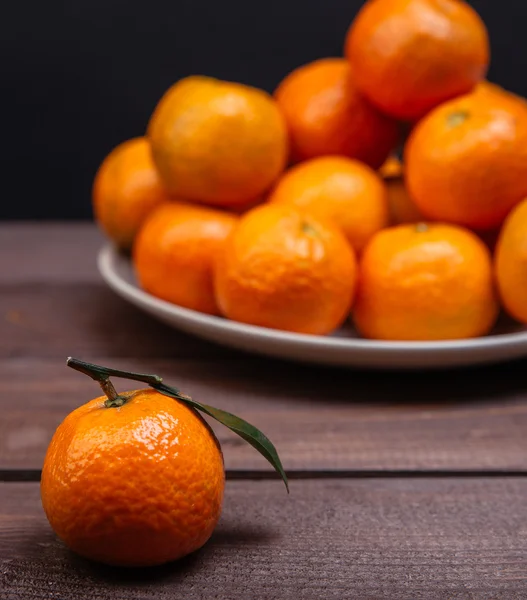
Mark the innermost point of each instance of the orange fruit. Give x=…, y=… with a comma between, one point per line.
x=392, y=167
x=486, y=88
x=401, y=207
x=137, y=485
x=408, y=56
x=126, y=189
x=326, y=114
x=425, y=282
x=511, y=263
x=466, y=162
x=218, y=142
x=175, y=251
x=346, y=191
x=285, y=269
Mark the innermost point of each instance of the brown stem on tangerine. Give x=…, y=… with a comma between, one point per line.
x=113, y=398
x=108, y=389
x=421, y=227
x=100, y=375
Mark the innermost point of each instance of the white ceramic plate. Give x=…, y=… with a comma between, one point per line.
x=508, y=341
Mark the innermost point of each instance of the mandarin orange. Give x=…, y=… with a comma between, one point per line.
x=401, y=207
x=285, y=269
x=126, y=189
x=466, y=162
x=408, y=56
x=137, y=484
x=511, y=263
x=392, y=167
x=218, y=142
x=345, y=191
x=425, y=282
x=326, y=114
x=486, y=88
x=175, y=251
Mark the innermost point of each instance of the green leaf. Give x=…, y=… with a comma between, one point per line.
x=246, y=431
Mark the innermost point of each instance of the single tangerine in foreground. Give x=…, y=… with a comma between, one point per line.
x=134, y=485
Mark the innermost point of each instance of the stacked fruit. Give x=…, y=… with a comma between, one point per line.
x=293, y=212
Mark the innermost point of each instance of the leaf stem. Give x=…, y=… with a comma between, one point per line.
x=102, y=376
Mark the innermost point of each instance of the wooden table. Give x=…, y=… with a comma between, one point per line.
x=403, y=485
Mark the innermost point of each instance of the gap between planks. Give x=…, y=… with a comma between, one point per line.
x=33, y=475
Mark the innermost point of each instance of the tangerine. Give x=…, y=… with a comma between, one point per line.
x=136, y=484
x=466, y=162
x=511, y=263
x=126, y=189
x=408, y=56
x=218, y=142
x=285, y=269
x=175, y=251
x=327, y=115
x=425, y=282
x=346, y=191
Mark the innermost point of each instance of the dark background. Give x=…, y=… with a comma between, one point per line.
x=80, y=76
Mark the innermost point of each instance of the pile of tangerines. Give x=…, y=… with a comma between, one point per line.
x=293, y=212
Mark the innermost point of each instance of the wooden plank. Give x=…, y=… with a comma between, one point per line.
x=48, y=252
x=59, y=320
x=319, y=419
x=337, y=539
x=53, y=301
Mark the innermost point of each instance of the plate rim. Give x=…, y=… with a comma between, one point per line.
x=108, y=255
